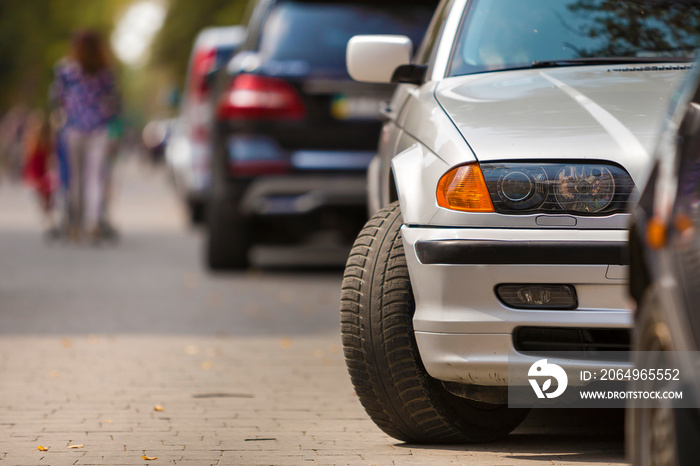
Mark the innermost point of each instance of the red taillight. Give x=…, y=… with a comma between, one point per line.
x=200, y=133
x=259, y=97
x=259, y=167
x=202, y=63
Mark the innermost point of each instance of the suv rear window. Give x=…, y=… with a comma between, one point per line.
x=317, y=33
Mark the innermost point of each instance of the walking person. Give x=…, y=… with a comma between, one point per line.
x=37, y=170
x=86, y=89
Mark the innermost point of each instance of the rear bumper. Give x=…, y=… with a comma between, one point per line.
x=302, y=194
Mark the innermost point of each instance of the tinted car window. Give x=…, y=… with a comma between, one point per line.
x=317, y=33
x=514, y=33
x=223, y=55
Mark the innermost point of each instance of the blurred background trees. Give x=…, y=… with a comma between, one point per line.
x=184, y=20
x=35, y=34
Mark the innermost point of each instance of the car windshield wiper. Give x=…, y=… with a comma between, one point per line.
x=607, y=61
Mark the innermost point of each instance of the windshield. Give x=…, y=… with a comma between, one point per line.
x=504, y=34
x=318, y=33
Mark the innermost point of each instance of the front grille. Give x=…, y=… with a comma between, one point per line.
x=581, y=343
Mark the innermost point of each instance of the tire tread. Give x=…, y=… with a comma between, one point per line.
x=379, y=343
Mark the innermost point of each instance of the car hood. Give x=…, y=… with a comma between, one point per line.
x=591, y=112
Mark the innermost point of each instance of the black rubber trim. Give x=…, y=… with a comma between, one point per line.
x=469, y=252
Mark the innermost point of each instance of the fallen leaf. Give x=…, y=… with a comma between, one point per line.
x=285, y=343
x=158, y=408
x=252, y=308
x=54, y=374
x=108, y=421
x=215, y=300
x=285, y=296
x=223, y=395
x=76, y=446
x=41, y=448
x=191, y=281
x=191, y=350
x=65, y=342
x=149, y=458
x=206, y=365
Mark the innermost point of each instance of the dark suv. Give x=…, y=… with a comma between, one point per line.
x=293, y=134
x=664, y=252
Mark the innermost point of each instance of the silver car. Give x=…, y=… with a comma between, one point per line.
x=188, y=148
x=512, y=151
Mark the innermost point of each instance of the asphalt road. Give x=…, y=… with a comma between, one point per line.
x=246, y=366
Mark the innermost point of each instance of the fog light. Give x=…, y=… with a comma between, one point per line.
x=538, y=296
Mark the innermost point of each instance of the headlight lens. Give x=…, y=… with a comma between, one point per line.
x=584, y=188
x=522, y=188
x=580, y=188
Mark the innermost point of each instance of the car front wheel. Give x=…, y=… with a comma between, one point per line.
x=653, y=425
x=381, y=353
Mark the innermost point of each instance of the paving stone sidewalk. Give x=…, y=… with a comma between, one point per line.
x=262, y=400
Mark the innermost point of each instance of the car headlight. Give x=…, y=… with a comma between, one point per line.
x=584, y=188
x=522, y=188
x=579, y=187
x=463, y=188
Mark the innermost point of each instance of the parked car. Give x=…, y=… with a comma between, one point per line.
x=188, y=149
x=503, y=183
x=664, y=282
x=293, y=133
x=156, y=136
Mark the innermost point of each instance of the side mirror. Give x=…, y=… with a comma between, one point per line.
x=377, y=59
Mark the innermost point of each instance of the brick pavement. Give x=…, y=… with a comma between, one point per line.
x=262, y=400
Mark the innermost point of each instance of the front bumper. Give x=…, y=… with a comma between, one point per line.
x=466, y=335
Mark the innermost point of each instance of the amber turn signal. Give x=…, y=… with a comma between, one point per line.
x=463, y=188
x=656, y=233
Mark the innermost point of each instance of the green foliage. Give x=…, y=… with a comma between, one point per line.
x=185, y=18
x=34, y=34
x=628, y=27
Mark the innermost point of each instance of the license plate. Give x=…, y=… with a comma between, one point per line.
x=279, y=205
x=355, y=108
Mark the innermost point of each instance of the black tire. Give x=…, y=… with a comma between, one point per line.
x=197, y=210
x=228, y=236
x=652, y=424
x=381, y=353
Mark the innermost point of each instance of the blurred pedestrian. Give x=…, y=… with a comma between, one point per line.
x=85, y=87
x=12, y=128
x=37, y=170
